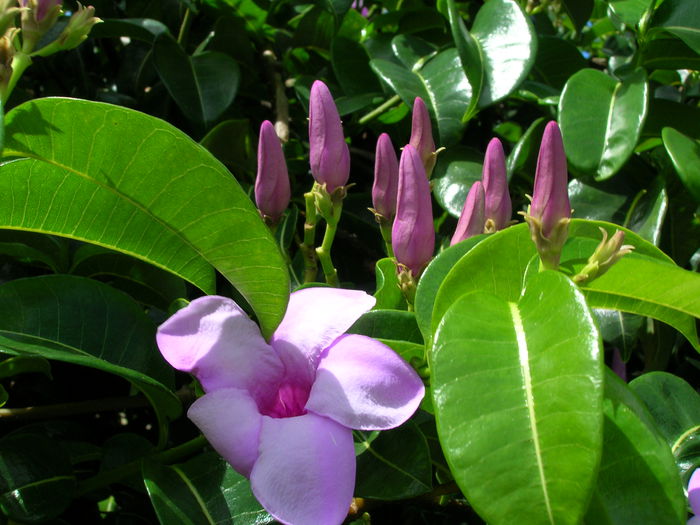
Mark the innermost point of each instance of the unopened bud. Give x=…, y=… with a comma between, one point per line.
x=471, y=221
x=498, y=207
x=38, y=16
x=413, y=234
x=329, y=154
x=386, y=179
x=272, y=191
x=78, y=28
x=422, y=135
x=607, y=253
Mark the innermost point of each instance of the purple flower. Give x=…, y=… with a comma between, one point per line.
x=471, y=221
x=281, y=413
x=272, y=191
x=386, y=178
x=694, y=497
x=329, y=154
x=498, y=208
x=413, y=234
x=422, y=135
x=550, y=197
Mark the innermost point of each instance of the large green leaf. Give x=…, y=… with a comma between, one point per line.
x=517, y=389
x=685, y=154
x=455, y=172
x=130, y=182
x=388, y=324
x=508, y=46
x=469, y=55
x=203, y=491
x=441, y=83
x=579, y=11
x=682, y=18
x=203, y=86
x=675, y=407
x=36, y=478
x=557, y=60
x=601, y=120
x=394, y=465
x=636, y=464
x=85, y=322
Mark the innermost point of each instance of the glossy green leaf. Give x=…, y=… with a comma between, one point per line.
x=45, y=251
x=144, y=282
x=589, y=201
x=629, y=11
x=203, y=86
x=233, y=143
x=24, y=364
x=123, y=161
x=518, y=388
x=652, y=288
x=682, y=18
x=411, y=50
x=145, y=29
x=557, y=60
x=523, y=156
x=665, y=52
x=685, y=155
x=388, y=292
x=85, y=322
x=469, y=55
x=394, y=465
x=619, y=329
x=601, y=120
x=36, y=478
x=638, y=481
x=508, y=46
x=441, y=83
x=203, y=491
x=388, y=324
x=667, y=113
x=455, y=172
x=675, y=406
x=432, y=278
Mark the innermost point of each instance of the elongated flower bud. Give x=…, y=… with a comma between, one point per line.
x=329, y=154
x=386, y=178
x=272, y=191
x=471, y=221
x=498, y=207
x=606, y=254
x=549, y=213
x=413, y=235
x=550, y=198
x=422, y=135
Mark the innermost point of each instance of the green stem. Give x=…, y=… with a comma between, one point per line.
x=324, y=251
x=307, y=246
x=633, y=207
x=20, y=62
x=386, y=235
x=167, y=456
x=184, y=27
x=379, y=110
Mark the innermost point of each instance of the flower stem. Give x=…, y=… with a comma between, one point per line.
x=379, y=110
x=386, y=235
x=184, y=27
x=307, y=246
x=324, y=251
x=20, y=62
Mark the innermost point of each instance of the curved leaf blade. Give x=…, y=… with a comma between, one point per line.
x=469, y=55
x=169, y=202
x=517, y=390
x=601, y=120
x=685, y=155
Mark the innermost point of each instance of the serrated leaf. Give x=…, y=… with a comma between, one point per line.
x=168, y=201
x=517, y=390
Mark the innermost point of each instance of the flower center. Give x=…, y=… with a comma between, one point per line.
x=289, y=401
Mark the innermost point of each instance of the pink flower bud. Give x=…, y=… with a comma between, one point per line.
x=413, y=235
x=422, y=135
x=329, y=154
x=272, y=192
x=386, y=178
x=550, y=198
x=471, y=221
x=498, y=208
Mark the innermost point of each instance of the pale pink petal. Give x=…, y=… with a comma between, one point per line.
x=305, y=474
x=231, y=422
x=694, y=491
x=315, y=318
x=216, y=341
x=363, y=384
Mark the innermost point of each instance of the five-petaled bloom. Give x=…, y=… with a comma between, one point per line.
x=282, y=413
